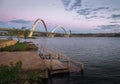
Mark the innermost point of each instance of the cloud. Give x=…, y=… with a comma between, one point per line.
x=66, y=3
x=1, y=22
x=94, y=16
x=115, y=22
x=91, y=17
x=88, y=11
x=71, y=4
x=77, y=6
x=115, y=16
x=114, y=26
x=21, y=21
x=102, y=17
x=100, y=8
x=116, y=9
x=84, y=12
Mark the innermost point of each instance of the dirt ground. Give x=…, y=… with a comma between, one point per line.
x=7, y=43
x=30, y=59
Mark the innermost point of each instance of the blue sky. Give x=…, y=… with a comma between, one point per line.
x=80, y=16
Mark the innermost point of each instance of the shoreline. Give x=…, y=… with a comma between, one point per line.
x=30, y=60
x=7, y=43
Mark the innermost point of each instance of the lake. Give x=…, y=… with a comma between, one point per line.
x=100, y=55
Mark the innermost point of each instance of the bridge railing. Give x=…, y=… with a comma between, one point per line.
x=71, y=61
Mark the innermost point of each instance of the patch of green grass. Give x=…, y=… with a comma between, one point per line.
x=31, y=76
x=13, y=75
x=17, y=47
x=9, y=74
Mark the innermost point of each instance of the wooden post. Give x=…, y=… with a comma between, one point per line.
x=68, y=63
x=57, y=56
x=42, y=51
x=50, y=61
x=82, y=69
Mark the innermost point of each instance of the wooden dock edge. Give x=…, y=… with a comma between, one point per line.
x=49, y=56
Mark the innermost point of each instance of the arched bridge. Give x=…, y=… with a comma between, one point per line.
x=34, y=26
x=50, y=34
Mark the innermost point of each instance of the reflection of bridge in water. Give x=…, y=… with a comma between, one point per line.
x=49, y=34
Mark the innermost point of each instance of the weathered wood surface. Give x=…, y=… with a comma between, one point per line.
x=60, y=67
x=56, y=64
x=74, y=68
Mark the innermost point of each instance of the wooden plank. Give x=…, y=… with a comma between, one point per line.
x=56, y=64
x=59, y=67
x=74, y=68
x=59, y=71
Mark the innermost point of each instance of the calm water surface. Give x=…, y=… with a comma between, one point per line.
x=101, y=57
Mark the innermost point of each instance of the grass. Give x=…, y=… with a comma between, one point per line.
x=13, y=75
x=9, y=74
x=17, y=47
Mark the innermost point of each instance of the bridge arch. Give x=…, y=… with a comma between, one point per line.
x=57, y=28
x=34, y=26
x=69, y=33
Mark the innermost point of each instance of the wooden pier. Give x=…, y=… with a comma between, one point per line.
x=57, y=63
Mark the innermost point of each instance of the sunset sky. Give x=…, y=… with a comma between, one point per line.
x=80, y=16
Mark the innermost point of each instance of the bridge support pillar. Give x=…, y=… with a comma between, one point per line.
x=31, y=33
x=52, y=35
x=67, y=35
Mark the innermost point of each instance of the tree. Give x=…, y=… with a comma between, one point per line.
x=14, y=32
x=25, y=32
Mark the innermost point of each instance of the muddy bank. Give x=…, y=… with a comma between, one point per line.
x=30, y=60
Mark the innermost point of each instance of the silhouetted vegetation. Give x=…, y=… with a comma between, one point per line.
x=97, y=35
x=117, y=35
